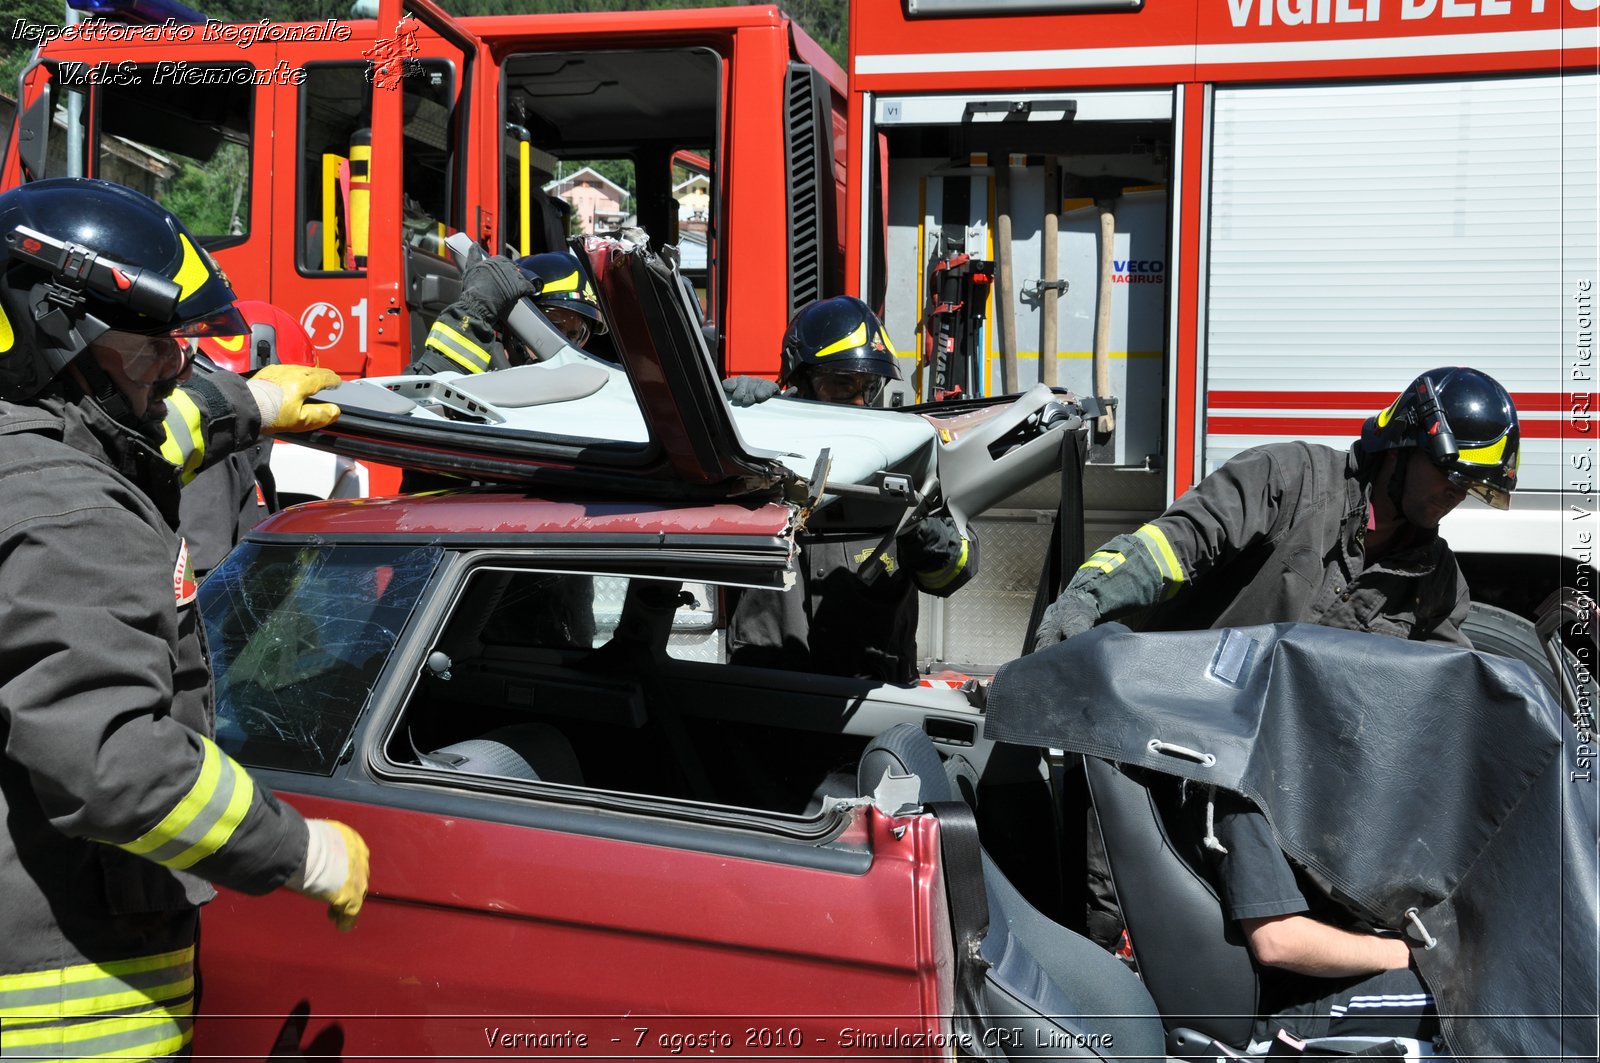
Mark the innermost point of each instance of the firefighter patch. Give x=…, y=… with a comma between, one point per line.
x=886, y=557
x=184, y=587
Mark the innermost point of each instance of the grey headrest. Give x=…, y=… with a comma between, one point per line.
x=533, y=385
x=528, y=751
x=905, y=750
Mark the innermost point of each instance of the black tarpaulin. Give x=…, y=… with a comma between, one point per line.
x=1401, y=775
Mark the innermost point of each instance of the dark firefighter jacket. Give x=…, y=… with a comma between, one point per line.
x=224, y=502
x=1276, y=535
x=118, y=806
x=836, y=622
x=459, y=342
x=233, y=494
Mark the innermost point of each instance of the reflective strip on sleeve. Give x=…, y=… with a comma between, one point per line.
x=458, y=348
x=1106, y=561
x=1161, y=552
x=205, y=819
x=942, y=578
x=133, y=1009
x=184, y=444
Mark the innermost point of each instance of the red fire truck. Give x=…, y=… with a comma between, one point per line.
x=298, y=151
x=1248, y=220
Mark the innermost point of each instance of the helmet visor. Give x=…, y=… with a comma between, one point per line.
x=574, y=326
x=1485, y=491
x=845, y=387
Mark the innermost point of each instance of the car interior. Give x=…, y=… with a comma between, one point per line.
x=560, y=650
x=586, y=680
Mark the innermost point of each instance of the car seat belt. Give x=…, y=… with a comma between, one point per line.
x=969, y=924
x=1065, y=552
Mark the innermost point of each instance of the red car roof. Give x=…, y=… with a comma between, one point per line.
x=472, y=514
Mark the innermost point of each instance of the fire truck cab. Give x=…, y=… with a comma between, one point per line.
x=1244, y=221
x=324, y=164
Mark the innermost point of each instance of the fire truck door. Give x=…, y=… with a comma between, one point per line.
x=414, y=274
x=41, y=94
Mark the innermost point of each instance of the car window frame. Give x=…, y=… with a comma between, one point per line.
x=383, y=720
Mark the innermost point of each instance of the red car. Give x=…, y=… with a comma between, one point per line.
x=591, y=837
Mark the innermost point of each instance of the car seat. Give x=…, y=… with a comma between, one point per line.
x=1055, y=994
x=533, y=752
x=1191, y=955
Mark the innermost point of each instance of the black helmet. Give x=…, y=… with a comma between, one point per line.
x=837, y=335
x=564, y=287
x=1465, y=423
x=84, y=257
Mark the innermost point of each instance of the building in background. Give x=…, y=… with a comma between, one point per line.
x=597, y=202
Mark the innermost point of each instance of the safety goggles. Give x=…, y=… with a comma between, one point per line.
x=147, y=360
x=844, y=387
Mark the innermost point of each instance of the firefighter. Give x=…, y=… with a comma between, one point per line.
x=220, y=505
x=119, y=810
x=466, y=337
x=462, y=339
x=1299, y=532
x=566, y=298
x=850, y=618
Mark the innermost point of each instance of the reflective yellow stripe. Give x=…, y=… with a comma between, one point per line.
x=1104, y=560
x=1155, y=541
x=192, y=273
x=78, y=1007
x=88, y=972
x=1385, y=414
x=942, y=578
x=858, y=338
x=184, y=443
x=1489, y=455
x=153, y=1033
x=458, y=348
x=569, y=283
x=135, y=1008
x=206, y=817
x=7, y=338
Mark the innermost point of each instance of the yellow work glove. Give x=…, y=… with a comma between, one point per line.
x=281, y=392
x=335, y=870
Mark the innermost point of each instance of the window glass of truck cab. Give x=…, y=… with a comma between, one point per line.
x=337, y=160
x=183, y=141
x=600, y=139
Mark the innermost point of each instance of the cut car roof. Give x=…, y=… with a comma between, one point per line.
x=487, y=515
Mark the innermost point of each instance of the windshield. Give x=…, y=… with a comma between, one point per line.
x=298, y=635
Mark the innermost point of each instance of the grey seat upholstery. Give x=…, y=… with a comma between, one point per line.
x=528, y=751
x=1192, y=956
x=1067, y=997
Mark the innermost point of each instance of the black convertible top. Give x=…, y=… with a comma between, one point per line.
x=1401, y=775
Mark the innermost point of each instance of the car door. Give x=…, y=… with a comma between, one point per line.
x=609, y=911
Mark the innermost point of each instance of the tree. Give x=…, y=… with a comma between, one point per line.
x=15, y=47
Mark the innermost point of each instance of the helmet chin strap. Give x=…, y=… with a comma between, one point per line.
x=1397, y=483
